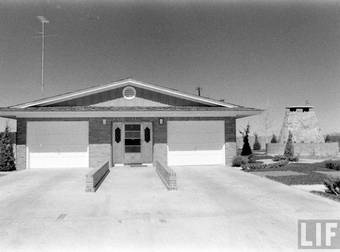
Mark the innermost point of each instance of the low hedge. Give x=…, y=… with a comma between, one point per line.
x=333, y=164
x=238, y=161
x=283, y=157
x=261, y=166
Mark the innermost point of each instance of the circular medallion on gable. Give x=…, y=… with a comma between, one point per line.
x=129, y=92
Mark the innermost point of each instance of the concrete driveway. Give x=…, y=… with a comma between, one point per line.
x=215, y=208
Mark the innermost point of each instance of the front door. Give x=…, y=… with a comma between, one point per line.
x=132, y=143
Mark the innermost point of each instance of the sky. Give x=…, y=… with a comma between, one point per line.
x=263, y=54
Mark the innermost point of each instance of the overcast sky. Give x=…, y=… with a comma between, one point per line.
x=264, y=54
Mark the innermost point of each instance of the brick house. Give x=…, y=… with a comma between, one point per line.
x=125, y=122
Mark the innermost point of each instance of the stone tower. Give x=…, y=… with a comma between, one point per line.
x=303, y=123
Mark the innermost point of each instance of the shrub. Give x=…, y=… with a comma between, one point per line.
x=333, y=164
x=274, y=139
x=293, y=159
x=239, y=161
x=278, y=164
x=251, y=159
x=279, y=157
x=261, y=166
x=328, y=139
x=332, y=186
x=257, y=145
x=246, y=150
x=7, y=162
x=253, y=166
x=289, y=148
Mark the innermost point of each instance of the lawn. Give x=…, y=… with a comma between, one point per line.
x=310, y=171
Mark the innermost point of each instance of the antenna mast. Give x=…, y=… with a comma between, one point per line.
x=43, y=21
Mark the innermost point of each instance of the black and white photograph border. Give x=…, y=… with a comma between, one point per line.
x=184, y=125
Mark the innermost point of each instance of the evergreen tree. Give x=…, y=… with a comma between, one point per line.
x=257, y=145
x=7, y=162
x=289, y=148
x=246, y=150
x=274, y=139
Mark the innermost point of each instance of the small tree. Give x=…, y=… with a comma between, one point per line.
x=289, y=148
x=257, y=145
x=7, y=162
x=274, y=139
x=246, y=150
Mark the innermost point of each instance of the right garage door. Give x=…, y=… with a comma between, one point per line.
x=196, y=143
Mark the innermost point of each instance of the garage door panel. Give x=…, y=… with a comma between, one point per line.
x=57, y=144
x=195, y=158
x=57, y=148
x=196, y=142
x=195, y=146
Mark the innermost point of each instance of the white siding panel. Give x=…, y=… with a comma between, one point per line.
x=196, y=142
x=57, y=144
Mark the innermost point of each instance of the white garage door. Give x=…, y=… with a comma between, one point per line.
x=57, y=144
x=196, y=142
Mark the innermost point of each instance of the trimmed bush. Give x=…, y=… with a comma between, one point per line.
x=238, y=161
x=274, y=139
x=7, y=162
x=257, y=145
x=332, y=186
x=246, y=150
x=333, y=164
x=289, y=148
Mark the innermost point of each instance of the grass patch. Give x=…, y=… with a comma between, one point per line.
x=308, y=179
x=310, y=171
x=300, y=167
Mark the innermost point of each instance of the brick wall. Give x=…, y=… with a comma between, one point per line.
x=160, y=153
x=230, y=152
x=20, y=161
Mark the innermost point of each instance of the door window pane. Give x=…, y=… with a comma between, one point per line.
x=147, y=134
x=132, y=127
x=132, y=138
x=117, y=135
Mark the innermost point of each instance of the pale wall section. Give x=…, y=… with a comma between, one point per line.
x=304, y=127
x=20, y=161
x=306, y=149
x=11, y=123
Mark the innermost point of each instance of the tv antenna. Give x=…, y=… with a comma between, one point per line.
x=43, y=21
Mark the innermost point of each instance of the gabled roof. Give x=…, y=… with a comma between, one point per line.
x=98, y=89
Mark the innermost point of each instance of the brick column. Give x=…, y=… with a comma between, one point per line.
x=230, y=139
x=21, y=158
x=100, y=138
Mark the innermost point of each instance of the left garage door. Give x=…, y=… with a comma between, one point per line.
x=57, y=144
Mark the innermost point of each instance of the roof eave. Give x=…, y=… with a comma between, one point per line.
x=22, y=113
x=93, y=90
